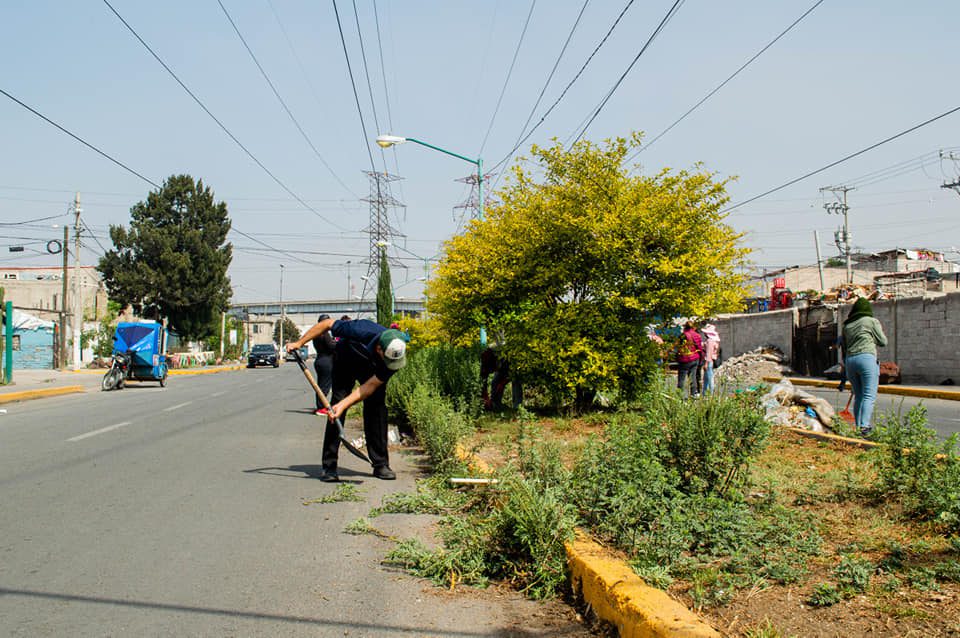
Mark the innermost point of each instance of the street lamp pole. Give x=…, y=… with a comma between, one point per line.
x=349, y=291
x=281, y=306
x=386, y=141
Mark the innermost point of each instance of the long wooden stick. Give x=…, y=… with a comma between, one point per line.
x=326, y=403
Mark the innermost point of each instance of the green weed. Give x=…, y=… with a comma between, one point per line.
x=824, y=595
x=344, y=492
x=853, y=575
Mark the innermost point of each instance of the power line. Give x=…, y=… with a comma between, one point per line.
x=81, y=140
x=366, y=73
x=724, y=83
x=268, y=246
x=32, y=221
x=353, y=85
x=281, y=100
x=567, y=87
x=214, y=118
x=506, y=81
x=543, y=90
x=656, y=32
x=843, y=159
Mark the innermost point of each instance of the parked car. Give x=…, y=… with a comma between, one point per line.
x=304, y=353
x=263, y=354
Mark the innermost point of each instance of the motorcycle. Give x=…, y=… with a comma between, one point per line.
x=118, y=372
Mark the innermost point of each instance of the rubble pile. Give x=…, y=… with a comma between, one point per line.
x=786, y=405
x=751, y=367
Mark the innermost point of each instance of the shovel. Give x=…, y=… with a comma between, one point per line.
x=323, y=399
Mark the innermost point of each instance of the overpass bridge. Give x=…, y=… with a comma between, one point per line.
x=305, y=313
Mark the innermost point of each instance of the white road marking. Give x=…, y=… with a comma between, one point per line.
x=175, y=407
x=100, y=431
x=217, y=394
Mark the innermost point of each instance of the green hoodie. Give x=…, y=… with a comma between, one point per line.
x=862, y=333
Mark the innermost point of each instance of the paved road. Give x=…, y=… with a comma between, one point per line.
x=180, y=512
x=943, y=416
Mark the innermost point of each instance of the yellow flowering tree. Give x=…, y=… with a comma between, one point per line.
x=580, y=256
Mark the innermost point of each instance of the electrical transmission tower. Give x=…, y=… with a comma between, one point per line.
x=380, y=230
x=841, y=236
x=471, y=204
x=955, y=184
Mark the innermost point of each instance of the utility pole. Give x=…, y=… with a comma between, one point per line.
x=955, y=184
x=842, y=237
x=77, y=300
x=62, y=346
x=281, y=307
x=816, y=242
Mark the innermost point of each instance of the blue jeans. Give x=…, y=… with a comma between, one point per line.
x=708, y=377
x=863, y=372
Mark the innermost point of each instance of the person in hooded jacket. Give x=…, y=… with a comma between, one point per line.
x=862, y=335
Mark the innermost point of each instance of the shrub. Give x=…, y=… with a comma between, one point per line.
x=916, y=468
x=438, y=426
x=449, y=371
x=824, y=595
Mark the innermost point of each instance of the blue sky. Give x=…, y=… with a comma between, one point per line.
x=849, y=75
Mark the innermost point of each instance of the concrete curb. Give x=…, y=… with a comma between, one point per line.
x=907, y=391
x=179, y=371
x=26, y=395
x=206, y=371
x=613, y=590
x=617, y=595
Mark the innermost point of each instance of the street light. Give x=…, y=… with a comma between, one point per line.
x=386, y=141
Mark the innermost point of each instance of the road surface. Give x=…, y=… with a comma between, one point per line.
x=179, y=511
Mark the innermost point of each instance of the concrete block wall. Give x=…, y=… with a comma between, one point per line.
x=742, y=333
x=923, y=335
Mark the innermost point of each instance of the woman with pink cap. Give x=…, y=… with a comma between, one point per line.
x=711, y=350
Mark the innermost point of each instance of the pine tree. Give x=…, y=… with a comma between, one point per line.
x=172, y=262
x=384, y=292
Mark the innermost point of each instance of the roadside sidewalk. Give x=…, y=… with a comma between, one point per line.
x=37, y=384
x=922, y=391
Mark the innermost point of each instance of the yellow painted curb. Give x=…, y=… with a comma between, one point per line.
x=203, y=371
x=617, y=595
x=907, y=391
x=25, y=395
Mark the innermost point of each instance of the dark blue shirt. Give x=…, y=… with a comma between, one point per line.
x=358, y=338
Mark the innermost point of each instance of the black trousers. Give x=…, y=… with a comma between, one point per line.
x=351, y=367
x=323, y=365
x=688, y=369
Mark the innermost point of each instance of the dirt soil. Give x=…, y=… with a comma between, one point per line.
x=808, y=474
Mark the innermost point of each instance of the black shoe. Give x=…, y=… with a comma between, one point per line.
x=384, y=472
x=329, y=476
